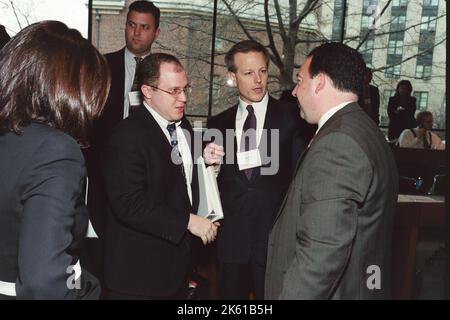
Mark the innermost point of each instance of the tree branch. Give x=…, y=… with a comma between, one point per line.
x=409, y=58
x=236, y=17
x=373, y=25
x=276, y=55
x=280, y=21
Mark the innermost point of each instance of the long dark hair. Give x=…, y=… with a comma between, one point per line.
x=405, y=83
x=51, y=74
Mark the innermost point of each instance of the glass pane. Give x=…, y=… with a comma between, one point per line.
x=18, y=14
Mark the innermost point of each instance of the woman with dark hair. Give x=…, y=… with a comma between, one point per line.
x=54, y=83
x=401, y=110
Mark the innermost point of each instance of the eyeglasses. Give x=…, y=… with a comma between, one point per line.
x=176, y=92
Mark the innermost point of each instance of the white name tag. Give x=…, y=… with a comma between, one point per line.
x=248, y=159
x=135, y=98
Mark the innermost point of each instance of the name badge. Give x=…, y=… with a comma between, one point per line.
x=135, y=98
x=249, y=159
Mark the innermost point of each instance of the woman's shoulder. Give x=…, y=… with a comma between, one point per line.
x=46, y=138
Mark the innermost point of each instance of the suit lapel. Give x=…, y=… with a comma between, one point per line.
x=271, y=121
x=230, y=123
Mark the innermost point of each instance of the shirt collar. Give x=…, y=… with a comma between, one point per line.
x=330, y=113
x=129, y=56
x=159, y=119
x=257, y=106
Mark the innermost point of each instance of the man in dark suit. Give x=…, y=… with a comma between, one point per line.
x=141, y=29
x=252, y=194
x=332, y=236
x=4, y=36
x=153, y=191
x=369, y=99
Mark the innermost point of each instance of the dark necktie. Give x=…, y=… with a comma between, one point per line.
x=135, y=85
x=248, y=138
x=176, y=155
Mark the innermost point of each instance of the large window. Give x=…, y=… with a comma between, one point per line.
x=428, y=23
x=18, y=14
x=422, y=99
x=398, y=47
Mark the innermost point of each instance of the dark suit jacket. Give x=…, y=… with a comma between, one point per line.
x=336, y=221
x=147, y=245
x=402, y=119
x=4, y=36
x=111, y=116
x=307, y=130
x=250, y=205
x=371, y=104
x=42, y=216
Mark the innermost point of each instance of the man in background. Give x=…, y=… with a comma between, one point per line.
x=369, y=99
x=4, y=36
x=421, y=137
x=141, y=30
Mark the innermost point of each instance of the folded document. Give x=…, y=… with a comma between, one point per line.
x=210, y=205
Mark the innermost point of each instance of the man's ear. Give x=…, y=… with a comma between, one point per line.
x=146, y=91
x=321, y=80
x=231, y=79
x=157, y=33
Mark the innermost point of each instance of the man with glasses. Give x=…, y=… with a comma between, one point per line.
x=141, y=29
x=153, y=190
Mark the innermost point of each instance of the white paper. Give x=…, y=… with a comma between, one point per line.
x=90, y=233
x=248, y=159
x=135, y=98
x=210, y=205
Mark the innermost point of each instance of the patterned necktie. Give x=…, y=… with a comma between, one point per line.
x=135, y=86
x=176, y=155
x=248, y=138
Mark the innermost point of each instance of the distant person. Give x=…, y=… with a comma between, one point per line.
x=4, y=36
x=369, y=99
x=54, y=84
x=307, y=130
x=401, y=110
x=335, y=224
x=421, y=136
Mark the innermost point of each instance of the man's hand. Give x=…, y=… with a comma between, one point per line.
x=213, y=154
x=202, y=228
x=421, y=132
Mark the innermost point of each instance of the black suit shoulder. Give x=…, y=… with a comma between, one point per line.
x=116, y=55
x=223, y=118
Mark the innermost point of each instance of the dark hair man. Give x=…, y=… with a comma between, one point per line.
x=331, y=237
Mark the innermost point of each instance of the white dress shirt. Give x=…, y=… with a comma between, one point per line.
x=408, y=140
x=183, y=146
x=260, y=114
x=130, y=69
